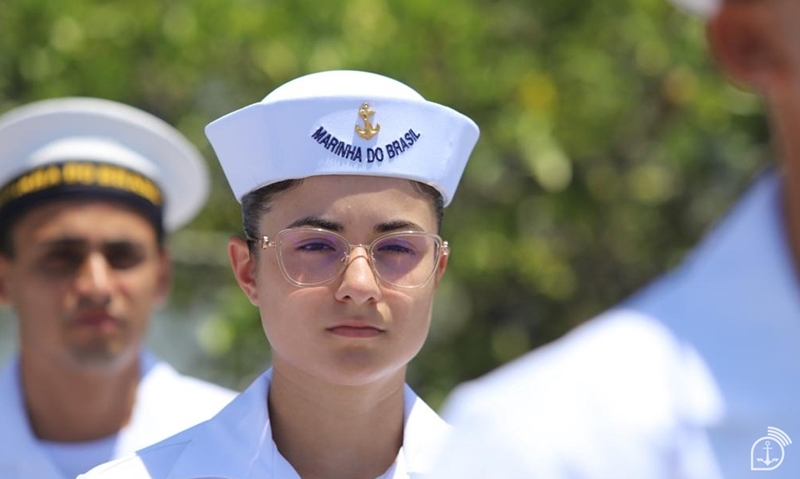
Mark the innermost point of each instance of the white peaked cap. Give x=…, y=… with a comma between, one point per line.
x=105, y=132
x=343, y=123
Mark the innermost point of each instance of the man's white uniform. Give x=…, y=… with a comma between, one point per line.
x=166, y=403
x=682, y=381
x=237, y=444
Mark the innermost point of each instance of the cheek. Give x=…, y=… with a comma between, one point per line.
x=36, y=293
x=412, y=314
x=39, y=307
x=276, y=296
x=289, y=318
x=141, y=289
x=266, y=274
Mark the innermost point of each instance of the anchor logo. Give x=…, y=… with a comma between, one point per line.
x=769, y=461
x=369, y=130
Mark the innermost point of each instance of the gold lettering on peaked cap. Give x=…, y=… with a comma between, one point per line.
x=369, y=130
x=83, y=174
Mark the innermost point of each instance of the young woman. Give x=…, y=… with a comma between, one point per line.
x=343, y=177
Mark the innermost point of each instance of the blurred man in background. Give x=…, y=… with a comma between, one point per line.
x=88, y=189
x=697, y=376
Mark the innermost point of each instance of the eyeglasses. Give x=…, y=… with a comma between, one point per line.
x=313, y=256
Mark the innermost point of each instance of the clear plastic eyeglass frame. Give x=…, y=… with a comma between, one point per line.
x=441, y=248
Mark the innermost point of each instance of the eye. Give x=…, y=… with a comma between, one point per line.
x=62, y=260
x=315, y=244
x=398, y=246
x=124, y=255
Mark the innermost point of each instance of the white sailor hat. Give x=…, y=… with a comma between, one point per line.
x=88, y=146
x=705, y=8
x=343, y=123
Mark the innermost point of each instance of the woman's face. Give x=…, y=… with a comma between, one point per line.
x=355, y=329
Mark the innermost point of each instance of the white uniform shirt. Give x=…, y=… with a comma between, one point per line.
x=166, y=403
x=682, y=381
x=237, y=444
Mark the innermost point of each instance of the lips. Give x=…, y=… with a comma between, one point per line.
x=356, y=330
x=97, y=320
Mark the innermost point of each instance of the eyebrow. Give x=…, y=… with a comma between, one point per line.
x=72, y=242
x=386, y=227
x=397, y=225
x=317, y=222
x=69, y=242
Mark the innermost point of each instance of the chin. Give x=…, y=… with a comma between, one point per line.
x=356, y=370
x=102, y=356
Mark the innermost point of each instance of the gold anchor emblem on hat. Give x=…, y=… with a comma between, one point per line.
x=369, y=130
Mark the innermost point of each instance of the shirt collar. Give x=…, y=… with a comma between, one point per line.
x=423, y=435
x=237, y=443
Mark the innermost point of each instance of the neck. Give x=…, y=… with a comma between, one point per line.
x=785, y=119
x=329, y=431
x=68, y=404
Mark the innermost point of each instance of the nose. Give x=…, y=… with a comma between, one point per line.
x=359, y=283
x=94, y=278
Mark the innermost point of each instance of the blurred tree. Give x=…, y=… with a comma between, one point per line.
x=608, y=142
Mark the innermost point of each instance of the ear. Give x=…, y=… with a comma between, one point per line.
x=743, y=42
x=5, y=266
x=440, y=268
x=244, y=268
x=164, y=280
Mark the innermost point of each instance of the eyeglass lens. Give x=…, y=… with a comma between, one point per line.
x=312, y=257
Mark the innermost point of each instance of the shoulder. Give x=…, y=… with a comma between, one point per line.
x=617, y=367
x=168, y=402
x=162, y=376
x=154, y=462
x=616, y=349
x=165, y=387
x=619, y=389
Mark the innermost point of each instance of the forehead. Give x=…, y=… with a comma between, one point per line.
x=89, y=220
x=355, y=199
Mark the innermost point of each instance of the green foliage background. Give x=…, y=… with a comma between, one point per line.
x=609, y=142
